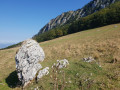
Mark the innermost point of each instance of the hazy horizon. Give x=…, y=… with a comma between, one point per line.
x=3, y=45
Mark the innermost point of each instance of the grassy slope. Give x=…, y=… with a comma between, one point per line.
x=101, y=43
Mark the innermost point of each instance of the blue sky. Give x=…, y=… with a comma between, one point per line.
x=21, y=19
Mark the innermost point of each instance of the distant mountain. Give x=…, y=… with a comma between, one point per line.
x=70, y=16
x=106, y=16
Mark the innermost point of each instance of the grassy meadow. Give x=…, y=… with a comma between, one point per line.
x=103, y=44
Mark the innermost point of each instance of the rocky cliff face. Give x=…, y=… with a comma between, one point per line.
x=67, y=17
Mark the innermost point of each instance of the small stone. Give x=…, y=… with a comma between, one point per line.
x=43, y=73
x=115, y=26
x=77, y=74
x=70, y=81
x=61, y=63
x=89, y=59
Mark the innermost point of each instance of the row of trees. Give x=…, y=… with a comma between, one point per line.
x=51, y=34
x=109, y=15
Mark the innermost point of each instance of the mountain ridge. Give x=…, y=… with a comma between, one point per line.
x=69, y=16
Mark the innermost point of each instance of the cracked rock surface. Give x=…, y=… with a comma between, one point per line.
x=27, y=61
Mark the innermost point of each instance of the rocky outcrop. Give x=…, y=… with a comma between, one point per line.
x=27, y=61
x=61, y=64
x=67, y=17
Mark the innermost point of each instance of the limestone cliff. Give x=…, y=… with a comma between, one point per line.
x=67, y=17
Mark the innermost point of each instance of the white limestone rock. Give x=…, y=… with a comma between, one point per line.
x=61, y=63
x=27, y=61
x=43, y=72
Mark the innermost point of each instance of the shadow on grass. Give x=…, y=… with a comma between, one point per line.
x=12, y=80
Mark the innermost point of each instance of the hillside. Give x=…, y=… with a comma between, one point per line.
x=103, y=44
x=70, y=16
x=106, y=16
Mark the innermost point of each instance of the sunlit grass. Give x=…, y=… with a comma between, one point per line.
x=101, y=43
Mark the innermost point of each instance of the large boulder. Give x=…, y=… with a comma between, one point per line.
x=27, y=61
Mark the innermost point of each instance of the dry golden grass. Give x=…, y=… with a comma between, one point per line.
x=101, y=43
